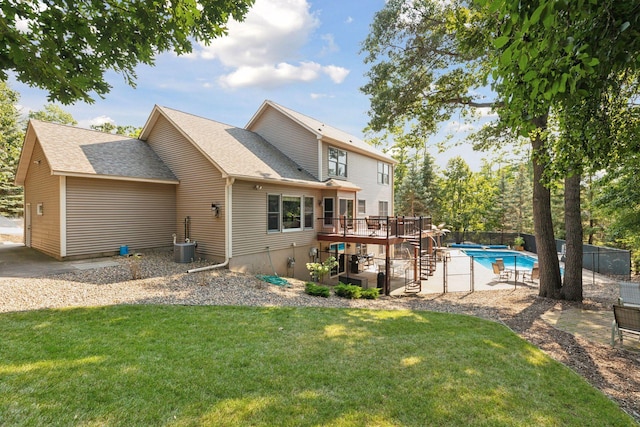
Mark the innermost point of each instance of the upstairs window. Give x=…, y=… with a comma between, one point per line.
x=383, y=173
x=383, y=208
x=362, y=207
x=337, y=162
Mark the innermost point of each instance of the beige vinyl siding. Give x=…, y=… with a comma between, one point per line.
x=103, y=215
x=42, y=187
x=289, y=137
x=250, y=234
x=201, y=184
x=363, y=172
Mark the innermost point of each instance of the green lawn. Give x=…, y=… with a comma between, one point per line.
x=239, y=366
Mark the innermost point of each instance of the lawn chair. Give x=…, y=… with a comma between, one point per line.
x=629, y=294
x=500, y=274
x=626, y=319
x=534, y=274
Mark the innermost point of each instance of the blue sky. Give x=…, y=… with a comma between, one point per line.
x=303, y=54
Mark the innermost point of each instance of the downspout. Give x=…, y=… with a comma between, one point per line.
x=228, y=199
x=320, y=160
x=63, y=216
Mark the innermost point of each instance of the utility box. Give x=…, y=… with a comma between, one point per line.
x=184, y=252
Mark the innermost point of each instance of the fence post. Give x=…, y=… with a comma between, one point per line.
x=444, y=275
x=472, y=275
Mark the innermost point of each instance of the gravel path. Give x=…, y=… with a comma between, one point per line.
x=614, y=371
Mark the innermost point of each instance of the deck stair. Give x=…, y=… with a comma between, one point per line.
x=424, y=261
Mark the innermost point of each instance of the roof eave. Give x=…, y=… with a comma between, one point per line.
x=115, y=177
x=25, y=155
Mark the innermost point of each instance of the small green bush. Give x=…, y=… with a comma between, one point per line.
x=348, y=291
x=317, y=290
x=370, y=293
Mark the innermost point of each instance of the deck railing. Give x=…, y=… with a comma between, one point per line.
x=375, y=226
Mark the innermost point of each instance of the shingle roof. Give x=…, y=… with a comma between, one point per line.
x=237, y=152
x=321, y=129
x=71, y=150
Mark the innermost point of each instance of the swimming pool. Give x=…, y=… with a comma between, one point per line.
x=476, y=246
x=512, y=259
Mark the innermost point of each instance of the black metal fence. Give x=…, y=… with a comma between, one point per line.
x=599, y=259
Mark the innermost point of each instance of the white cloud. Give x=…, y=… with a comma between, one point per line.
x=485, y=112
x=337, y=74
x=264, y=49
x=271, y=31
x=456, y=126
x=349, y=20
x=320, y=95
x=271, y=75
x=96, y=121
x=330, y=45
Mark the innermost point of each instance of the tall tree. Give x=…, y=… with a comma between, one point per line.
x=411, y=196
x=429, y=59
x=11, y=136
x=127, y=130
x=431, y=185
x=54, y=114
x=66, y=46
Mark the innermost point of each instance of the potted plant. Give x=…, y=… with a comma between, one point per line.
x=518, y=243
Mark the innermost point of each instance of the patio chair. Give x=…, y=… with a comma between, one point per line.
x=629, y=294
x=500, y=274
x=626, y=319
x=534, y=274
x=373, y=223
x=346, y=223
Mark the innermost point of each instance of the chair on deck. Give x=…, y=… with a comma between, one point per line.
x=346, y=223
x=501, y=274
x=373, y=224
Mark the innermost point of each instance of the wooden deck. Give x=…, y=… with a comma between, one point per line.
x=385, y=231
x=373, y=230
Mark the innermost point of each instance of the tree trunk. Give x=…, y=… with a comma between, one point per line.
x=572, y=286
x=550, y=281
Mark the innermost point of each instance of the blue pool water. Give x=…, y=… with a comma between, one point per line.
x=512, y=259
x=476, y=246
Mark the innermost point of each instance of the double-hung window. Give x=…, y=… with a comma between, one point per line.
x=273, y=212
x=383, y=208
x=337, y=162
x=383, y=173
x=362, y=207
x=308, y=212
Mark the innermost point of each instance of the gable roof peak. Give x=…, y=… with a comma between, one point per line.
x=321, y=130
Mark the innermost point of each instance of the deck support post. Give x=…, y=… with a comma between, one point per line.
x=387, y=270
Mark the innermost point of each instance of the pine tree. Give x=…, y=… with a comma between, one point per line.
x=411, y=193
x=11, y=136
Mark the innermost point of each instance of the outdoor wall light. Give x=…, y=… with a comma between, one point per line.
x=215, y=209
x=258, y=187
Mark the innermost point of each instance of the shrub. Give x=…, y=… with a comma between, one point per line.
x=348, y=291
x=317, y=290
x=370, y=293
x=319, y=269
